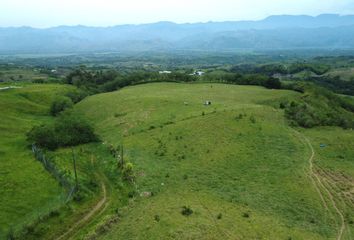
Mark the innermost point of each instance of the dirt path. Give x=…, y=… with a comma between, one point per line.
x=10, y=87
x=97, y=209
x=320, y=184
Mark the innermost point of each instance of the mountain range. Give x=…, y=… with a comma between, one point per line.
x=327, y=31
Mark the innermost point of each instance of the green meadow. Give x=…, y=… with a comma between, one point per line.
x=235, y=165
x=27, y=190
x=233, y=169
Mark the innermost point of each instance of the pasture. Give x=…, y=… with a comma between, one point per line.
x=234, y=166
x=27, y=190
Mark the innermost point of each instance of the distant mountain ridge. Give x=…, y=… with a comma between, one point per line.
x=274, y=32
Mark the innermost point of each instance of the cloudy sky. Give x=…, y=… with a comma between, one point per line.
x=46, y=13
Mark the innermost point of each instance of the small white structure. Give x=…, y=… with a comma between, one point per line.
x=197, y=73
x=53, y=71
x=207, y=103
x=165, y=72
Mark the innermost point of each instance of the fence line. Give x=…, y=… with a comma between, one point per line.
x=50, y=166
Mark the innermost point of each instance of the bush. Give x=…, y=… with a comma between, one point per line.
x=38, y=80
x=78, y=196
x=157, y=218
x=60, y=104
x=239, y=117
x=67, y=130
x=74, y=130
x=253, y=119
x=77, y=95
x=272, y=83
x=128, y=173
x=186, y=211
x=10, y=235
x=43, y=136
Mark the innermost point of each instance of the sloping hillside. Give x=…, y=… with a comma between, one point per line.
x=230, y=170
x=27, y=190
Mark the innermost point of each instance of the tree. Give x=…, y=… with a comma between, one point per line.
x=59, y=105
x=73, y=130
x=67, y=130
x=43, y=136
x=272, y=83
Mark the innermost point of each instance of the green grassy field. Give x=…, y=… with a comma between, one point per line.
x=21, y=74
x=236, y=164
x=345, y=73
x=27, y=190
x=334, y=149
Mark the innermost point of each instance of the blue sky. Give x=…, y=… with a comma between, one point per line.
x=46, y=13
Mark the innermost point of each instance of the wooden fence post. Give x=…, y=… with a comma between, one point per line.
x=74, y=162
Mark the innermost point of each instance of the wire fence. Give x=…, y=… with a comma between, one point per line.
x=59, y=175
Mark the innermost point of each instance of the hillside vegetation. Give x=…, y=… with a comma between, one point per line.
x=232, y=169
x=176, y=161
x=27, y=190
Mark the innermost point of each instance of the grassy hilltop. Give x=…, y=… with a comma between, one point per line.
x=235, y=164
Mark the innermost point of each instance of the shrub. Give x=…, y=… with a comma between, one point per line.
x=132, y=194
x=67, y=130
x=186, y=211
x=128, y=173
x=157, y=218
x=10, y=235
x=77, y=95
x=282, y=105
x=29, y=229
x=38, y=80
x=78, y=196
x=43, y=136
x=253, y=119
x=239, y=117
x=272, y=83
x=60, y=104
x=73, y=130
x=246, y=215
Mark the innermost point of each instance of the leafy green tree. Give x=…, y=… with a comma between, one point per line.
x=272, y=83
x=67, y=130
x=43, y=136
x=60, y=104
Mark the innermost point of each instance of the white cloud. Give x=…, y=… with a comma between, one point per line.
x=43, y=13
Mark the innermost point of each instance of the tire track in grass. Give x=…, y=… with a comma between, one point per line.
x=314, y=177
x=96, y=210
x=336, y=194
x=322, y=186
x=216, y=224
